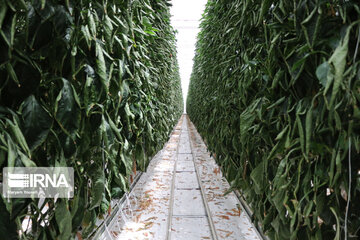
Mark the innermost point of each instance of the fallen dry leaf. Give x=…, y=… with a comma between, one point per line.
x=138, y=217
x=78, y=234
x=150, y=218
x=109, y=209
x=224, y=217
x=148, y=191
x=237, y=211
x=147, y=226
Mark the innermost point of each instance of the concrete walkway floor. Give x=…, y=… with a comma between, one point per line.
x=181, y=196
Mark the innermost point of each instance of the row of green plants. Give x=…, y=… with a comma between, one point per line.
x=275, y=93
x=88, y=84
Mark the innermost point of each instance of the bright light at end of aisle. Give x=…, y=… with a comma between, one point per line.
x=186, y=15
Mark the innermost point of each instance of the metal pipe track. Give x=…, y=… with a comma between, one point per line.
x=170, y=215
x=203, y=196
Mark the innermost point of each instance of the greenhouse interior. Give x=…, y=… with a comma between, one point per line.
x=179, y=119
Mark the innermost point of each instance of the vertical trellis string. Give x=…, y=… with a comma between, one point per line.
x=349, y=191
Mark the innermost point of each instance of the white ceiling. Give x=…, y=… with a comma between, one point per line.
x=185, y=19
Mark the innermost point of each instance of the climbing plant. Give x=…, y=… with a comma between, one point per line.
x=92, y=85
x=274, y=92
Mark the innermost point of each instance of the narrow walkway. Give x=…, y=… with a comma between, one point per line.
x=181, y=196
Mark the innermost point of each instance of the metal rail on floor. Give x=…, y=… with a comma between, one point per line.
x=203, y=195
x=171, y=204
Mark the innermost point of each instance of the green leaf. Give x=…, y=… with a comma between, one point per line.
x=115, y=129
x=91, y=24
x=85, y=31
x=301, y=133
x=282, y=133
x=12, y=73
x=323, y=72
x=67, y=109
x=116, y=192
x=338, y=61
x=11, y=154
x=12, y=31
x=63, y=219
x=37, y=122
x=146, y=22
x=108, y=28
x=43, y=2
x=265, y=5
x=3, y=10
x=128, y=112
x=126, y=158
x=308, y=130
x=18, y=135
x=257, y=176
x=308, y=208
x=121, y=70
x=101, y=67
x=78, y=209
x=98, y=188
x=26, y=161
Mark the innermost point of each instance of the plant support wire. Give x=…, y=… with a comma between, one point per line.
x=349, y=192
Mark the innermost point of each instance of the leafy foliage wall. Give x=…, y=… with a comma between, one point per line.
x=92, y=85
x=275, y=93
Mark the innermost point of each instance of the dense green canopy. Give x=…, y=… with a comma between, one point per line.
x=274, y=92
x=88, y=84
